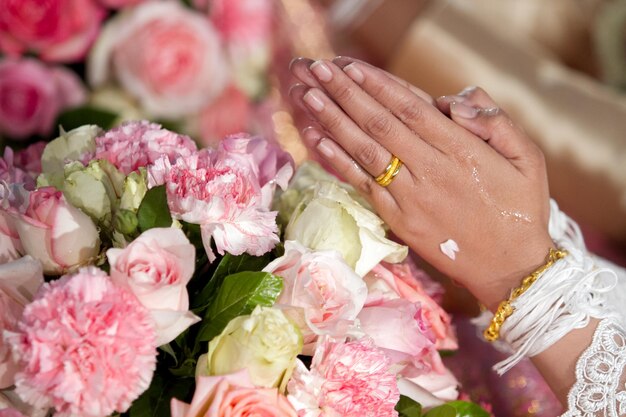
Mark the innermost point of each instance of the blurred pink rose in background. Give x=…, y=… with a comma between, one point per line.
x=391, y=281
x=228, y=114
x=232, y=395
x=346, y=379
x=140, y=143
x=94, y=340
x=55, y=232
x=118, y=4
x=167, y=56
x=156, y=267
x=322, y=294
x=55, y=30
x=32, y=95
x=241, y=21
x=19, y=281
x=11, y=412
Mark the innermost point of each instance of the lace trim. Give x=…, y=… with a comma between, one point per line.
x=600, y=375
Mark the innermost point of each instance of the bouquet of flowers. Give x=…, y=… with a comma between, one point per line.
x=202, y=66
x=142, y=276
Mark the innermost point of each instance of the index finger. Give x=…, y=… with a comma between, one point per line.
x=421, y=116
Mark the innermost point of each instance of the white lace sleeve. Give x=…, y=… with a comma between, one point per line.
x=600, y=389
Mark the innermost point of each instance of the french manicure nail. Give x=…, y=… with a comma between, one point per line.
x=313, y=99
x=323, y=147
x=321, y=71
x=311, y=135
x=462, y=110
x=355, y=73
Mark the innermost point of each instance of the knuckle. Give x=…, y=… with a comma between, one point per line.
x=409, y=112
x=379, y=125
x=344, y=93
x=333, y=122
x=367, y=154
x=366, y=185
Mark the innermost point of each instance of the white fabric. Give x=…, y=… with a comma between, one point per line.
x=565, y=297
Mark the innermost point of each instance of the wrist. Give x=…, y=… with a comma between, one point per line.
x=499, y=286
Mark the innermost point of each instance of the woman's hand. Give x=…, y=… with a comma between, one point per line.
x=486, y=190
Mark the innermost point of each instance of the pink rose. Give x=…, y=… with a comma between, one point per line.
x=55, y=232
x=139, y=144
x=157, y=267
x=19, y=281
x=167, y=56
x=13, y=199
x=346, y=379
x=391, y=281
x=321, y=293
x=432, y=389
x=83, y=346
x=232, y=395
x=228, y=114
x=56, y=30
x=223, y=196
x=272, y=165
x=398, y=328
x=242, y=21
x=33, y=95
x=118, y=4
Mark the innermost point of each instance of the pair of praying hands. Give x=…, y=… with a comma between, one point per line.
x=468, y=173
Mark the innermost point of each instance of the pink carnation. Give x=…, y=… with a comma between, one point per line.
x=12, y=174
x=271, y=165
x=84, y=346
x=140, y=143
x=223, y=196
x=346, y=379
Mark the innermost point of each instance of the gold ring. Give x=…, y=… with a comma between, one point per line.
x=393, y=168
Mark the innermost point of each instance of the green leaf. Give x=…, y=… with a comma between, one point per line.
x=408, y=407
x=238, y=295
x=155, y=401
x=153, y=210
x=468, y=409
x=229, y=265
x=442, y=411
x=79, y=116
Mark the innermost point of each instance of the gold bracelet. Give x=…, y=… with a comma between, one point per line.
x=505, y=309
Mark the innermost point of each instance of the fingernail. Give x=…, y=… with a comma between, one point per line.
x=355, y=73
x=453, y=98
x=323, y=147
x=314, y=100
x=490, y=111
x=311, y=135
x=462, y=110
x=467, y=90
x=321, y=71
